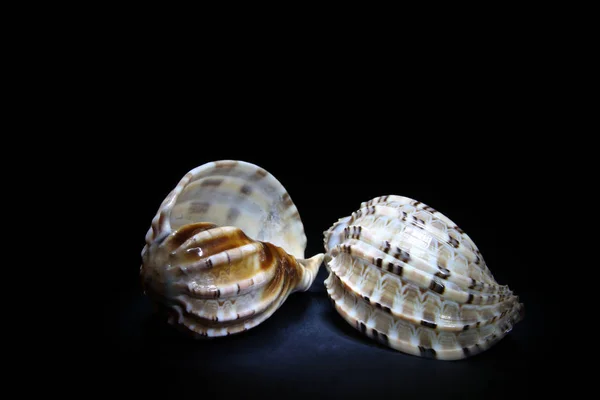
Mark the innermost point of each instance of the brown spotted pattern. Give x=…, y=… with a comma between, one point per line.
x=404, y=274
x=225, y=250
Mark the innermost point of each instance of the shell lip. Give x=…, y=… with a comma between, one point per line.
x=161, y=224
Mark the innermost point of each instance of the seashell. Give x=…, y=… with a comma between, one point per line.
x=404, y=274
x=225, y=250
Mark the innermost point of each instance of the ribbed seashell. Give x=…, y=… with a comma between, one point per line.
x=404, y=274
x=225, y=250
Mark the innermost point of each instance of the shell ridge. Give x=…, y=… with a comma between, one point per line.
x=387, y=303
x=407, y=219
x=410, y=272
x=477, y=341
x=391, y=246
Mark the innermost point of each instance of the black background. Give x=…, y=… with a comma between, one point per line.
x=482, y=181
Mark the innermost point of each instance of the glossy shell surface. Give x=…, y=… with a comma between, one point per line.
x=225, y=250
x=404, y=274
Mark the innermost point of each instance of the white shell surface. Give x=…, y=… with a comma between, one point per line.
x=406, y=275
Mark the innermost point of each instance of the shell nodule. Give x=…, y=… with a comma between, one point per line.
x=225, y=250
x=404, y=274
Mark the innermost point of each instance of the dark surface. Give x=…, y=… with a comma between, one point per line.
x=306, y=348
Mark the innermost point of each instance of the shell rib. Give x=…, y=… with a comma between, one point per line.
x=225, y=250
x=406, y=275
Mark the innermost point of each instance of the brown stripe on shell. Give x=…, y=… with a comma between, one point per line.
x=395, y=269
x=384, y=338
x=199, y=207
x=287, y=271
x=437, y=286
x=244, y=285
x=443, y=273
x=352, y=232
x=295, y=215
x=427, y=352
x=287, y=201
x=428, y=324
x=362, y=327
x=212, y=182
x=267, y=256
x=402, y=255
x=232, y=215
x=246, y=189
x=420, y=223
x=259, y=174
x=387, y=246
x=225, y=164
x=453, y=242
x=429, y=209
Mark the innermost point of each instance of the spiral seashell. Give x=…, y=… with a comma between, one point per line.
x=225, y=250
x=404, y=274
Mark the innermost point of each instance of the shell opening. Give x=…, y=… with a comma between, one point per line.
x=237, y=193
